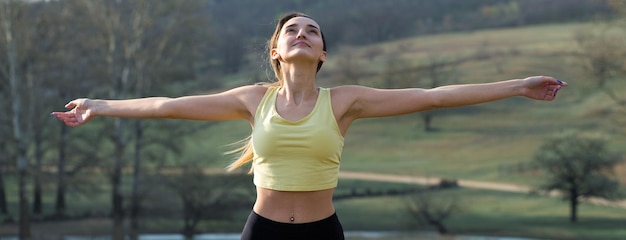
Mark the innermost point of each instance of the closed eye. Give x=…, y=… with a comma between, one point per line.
x=311, y=28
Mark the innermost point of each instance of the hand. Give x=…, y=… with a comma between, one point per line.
x=542, y=88
x=81, y=112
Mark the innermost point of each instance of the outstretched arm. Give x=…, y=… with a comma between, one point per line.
x=370, y=102
x=232, y=104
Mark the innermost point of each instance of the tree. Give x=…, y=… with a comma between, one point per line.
x=152, y=44
x=603, y=52
x=40, y=52
x=603, y=55
x=10, y=13
x=66, y=60
x=35, y=50
x=427, y=209
x=140, y=44
x=578, y=166
x=208, y=195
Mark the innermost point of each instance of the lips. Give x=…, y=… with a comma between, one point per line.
x=301, y=43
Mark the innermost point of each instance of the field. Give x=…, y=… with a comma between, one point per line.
x=489, y=142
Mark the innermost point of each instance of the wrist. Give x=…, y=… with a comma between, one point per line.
x=520, y=86
x=512, y=87
x=95, y=106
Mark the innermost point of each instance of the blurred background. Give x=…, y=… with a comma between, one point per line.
x=512, y=169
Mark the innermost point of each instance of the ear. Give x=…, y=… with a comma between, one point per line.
x=274, y=54
x=323, y=56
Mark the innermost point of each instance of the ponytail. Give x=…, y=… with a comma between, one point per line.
x=246, y=155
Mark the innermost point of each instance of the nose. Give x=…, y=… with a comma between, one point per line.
x=301, y=34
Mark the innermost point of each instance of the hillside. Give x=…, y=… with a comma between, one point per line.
x=478, y=142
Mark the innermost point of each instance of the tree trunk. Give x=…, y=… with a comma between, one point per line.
x=190, y=218
x=116, y=182
x=427, y=117
x=573, y=204
x=4, y=210
x=61, y=183
x=20, y=143
x=441, y=229
x=432, y=220
x=3, y=196
x=24, y=232
x=37, y=208
x=135, y=200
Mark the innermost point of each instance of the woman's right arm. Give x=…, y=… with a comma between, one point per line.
x=232, y=104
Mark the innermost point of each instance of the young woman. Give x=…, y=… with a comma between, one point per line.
x=299, y=128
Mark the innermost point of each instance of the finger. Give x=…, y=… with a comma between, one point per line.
x=71, y=123
x=71, y=104
x=61, y=114
x=561, y=83
x=66, y=117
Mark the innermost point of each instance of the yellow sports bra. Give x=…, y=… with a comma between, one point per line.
x=301, y=155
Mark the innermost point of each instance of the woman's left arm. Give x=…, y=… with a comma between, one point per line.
x=538, y=87
x=371, y=102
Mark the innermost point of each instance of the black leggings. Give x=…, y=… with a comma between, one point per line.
x=260, y=228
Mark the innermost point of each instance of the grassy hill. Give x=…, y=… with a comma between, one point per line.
x=474, y=142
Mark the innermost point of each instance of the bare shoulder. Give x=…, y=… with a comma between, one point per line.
x=344, y=99
x=348, y=90
x=350, y=93
x=250, y=89
x=249, y=92
x=251, y=96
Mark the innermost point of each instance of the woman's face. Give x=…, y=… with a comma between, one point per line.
x=300, y=39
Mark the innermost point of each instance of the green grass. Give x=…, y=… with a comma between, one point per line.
x=491, y=213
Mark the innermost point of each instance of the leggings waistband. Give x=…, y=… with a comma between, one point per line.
x=258, y=227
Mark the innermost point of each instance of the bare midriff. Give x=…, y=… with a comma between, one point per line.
x=294, y=207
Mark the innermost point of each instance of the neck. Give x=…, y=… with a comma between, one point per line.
x=298, y=82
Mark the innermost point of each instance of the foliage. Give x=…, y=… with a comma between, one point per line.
x=578, y=166
x=603, y=55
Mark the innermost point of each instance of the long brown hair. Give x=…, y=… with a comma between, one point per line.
x=246, y=151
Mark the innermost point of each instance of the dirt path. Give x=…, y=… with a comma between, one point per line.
x=462, y=183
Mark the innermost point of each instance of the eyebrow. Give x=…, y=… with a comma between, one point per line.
x=308, y=25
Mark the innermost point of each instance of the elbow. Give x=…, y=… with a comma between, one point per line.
x=435, y=104
x=163, y=108
x=434, y=100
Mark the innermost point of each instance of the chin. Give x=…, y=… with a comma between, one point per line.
x=302, y=56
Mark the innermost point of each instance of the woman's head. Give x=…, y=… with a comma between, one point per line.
x=284, y=30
